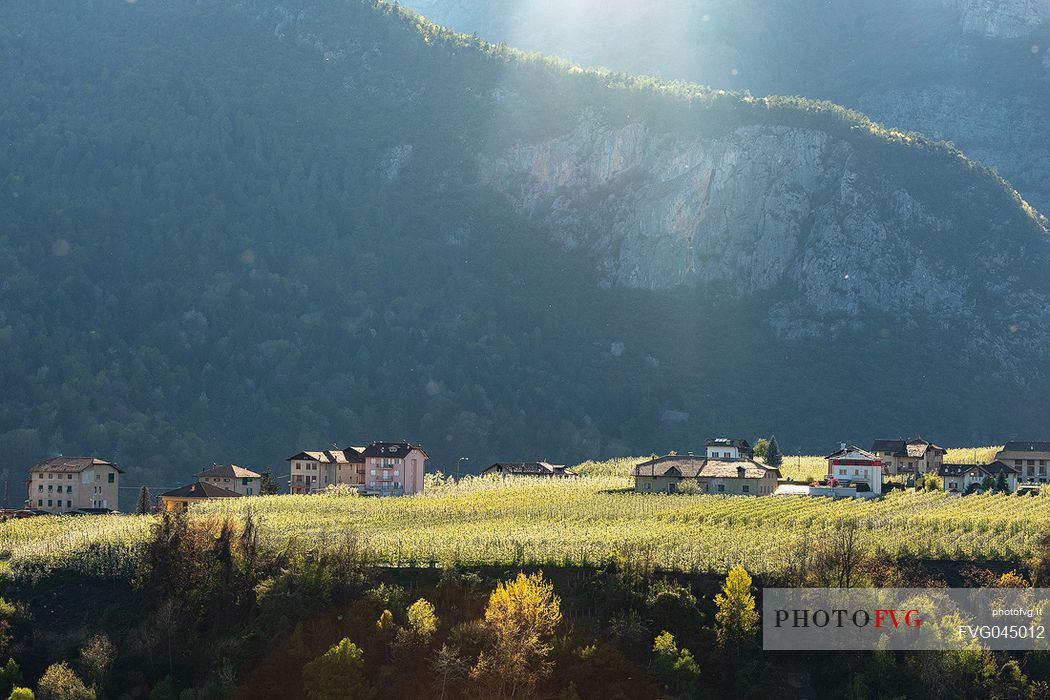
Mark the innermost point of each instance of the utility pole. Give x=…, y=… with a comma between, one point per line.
x=459, y=463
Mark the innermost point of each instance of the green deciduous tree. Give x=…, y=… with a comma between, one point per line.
x=338, y=674
x=10, y=677
x=675, y=668
x=60, y=683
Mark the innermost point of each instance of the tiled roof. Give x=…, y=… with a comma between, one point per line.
x=999, y=467
x=954, y=469
x=529, y=468
x=993, y=470
x=72, y=465
x=695, y=466
x=852, y=448
x=201, y=490
x=392, y=449
x=1027, y=447
x=895, y=447
x=350, y=454
x=229, y=471
x=728, y=442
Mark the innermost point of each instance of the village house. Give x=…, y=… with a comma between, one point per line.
x=960, y=478
x=380, y=469
x=852, y=466
x=535, y=469
x=915, y=456
x=729, y=448
x=233, y=478
x=62, y=484
x=720, y=472
x=1030, y=458
x=394, y=468
x=180, y=499
x=315, y=471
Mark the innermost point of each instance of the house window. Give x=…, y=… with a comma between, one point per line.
x=397, y=472
x=244, y=481
x=69, y=504
x=98, y=477
x=40, y=502
x=50, y=476
x=49, y=503
x=373, y=484
x=40, y=487
x=645, y=486
x=745, y=488
x=111, y=477
x=69, y=489
x=397, y=484
x=373, y=472
x=721, y=488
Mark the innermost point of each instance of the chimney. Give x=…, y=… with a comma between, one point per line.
x=740, y=472
x=842, y=446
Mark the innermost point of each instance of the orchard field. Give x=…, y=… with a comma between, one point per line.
x=564, y=523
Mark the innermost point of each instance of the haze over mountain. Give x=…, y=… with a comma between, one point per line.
x=234, y=230
x=975, y=72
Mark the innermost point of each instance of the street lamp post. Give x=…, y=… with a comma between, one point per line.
x=459, y=464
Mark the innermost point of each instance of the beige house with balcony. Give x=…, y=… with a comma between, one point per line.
x=915, y=456
x=232, y=478
x=1031, y=459
x=315, y=471
x=62, y=484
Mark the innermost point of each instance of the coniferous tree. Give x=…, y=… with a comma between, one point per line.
x=267, y=484
x=143, y=506
x=773, y=456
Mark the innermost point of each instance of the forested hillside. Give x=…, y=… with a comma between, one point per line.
x=974, y=72
x=233, y=230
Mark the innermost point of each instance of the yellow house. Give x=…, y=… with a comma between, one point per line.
x=232, y=478
x=185, y=496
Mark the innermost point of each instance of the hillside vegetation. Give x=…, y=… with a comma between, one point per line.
x=230, y=231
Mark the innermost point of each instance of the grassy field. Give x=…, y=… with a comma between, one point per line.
x=565, y=523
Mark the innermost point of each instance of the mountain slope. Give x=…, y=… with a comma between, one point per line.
x=970, y=71
x=233, y=230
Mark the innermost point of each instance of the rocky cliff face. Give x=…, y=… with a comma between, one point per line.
x=1007, y=19
x=761, y=208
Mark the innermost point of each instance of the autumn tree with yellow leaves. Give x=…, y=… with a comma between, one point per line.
x=736, y=620
x=520, y=620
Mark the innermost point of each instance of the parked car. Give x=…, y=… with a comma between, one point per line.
x=93, y=511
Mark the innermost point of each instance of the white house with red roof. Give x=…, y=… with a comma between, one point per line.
x=854, y=466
